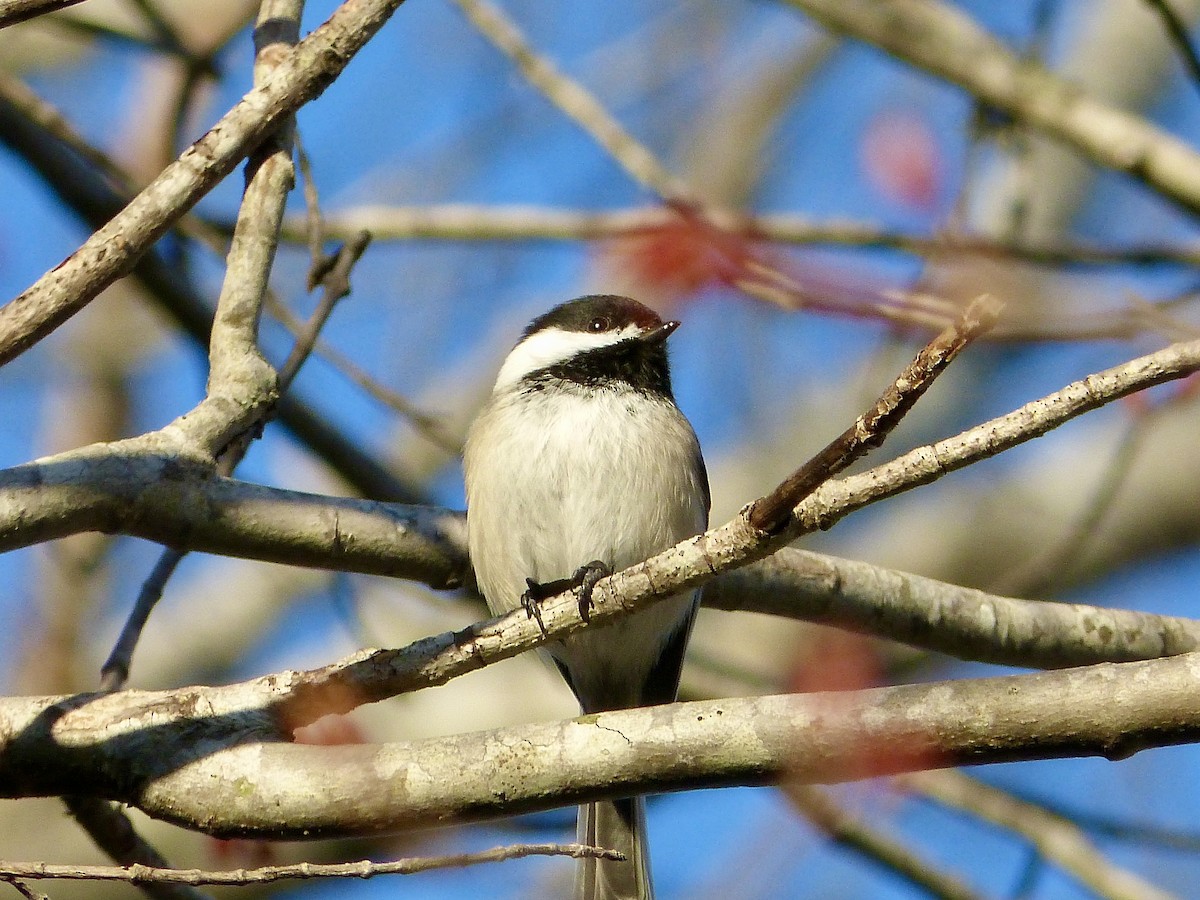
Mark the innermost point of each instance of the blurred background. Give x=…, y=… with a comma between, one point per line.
x=885, y=199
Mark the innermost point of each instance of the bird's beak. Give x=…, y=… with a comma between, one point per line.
x=659, y=334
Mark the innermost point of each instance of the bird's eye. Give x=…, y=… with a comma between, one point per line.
x=598, y=324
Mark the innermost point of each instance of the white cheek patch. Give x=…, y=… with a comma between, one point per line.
x=552, y=346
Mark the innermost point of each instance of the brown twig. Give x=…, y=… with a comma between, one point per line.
x=855, y=833
x=1177, y=31
x=771, y=513
x=1055, y=838
x=113, y=832
x=23, y=889
x=14, y=11
x=143, y=875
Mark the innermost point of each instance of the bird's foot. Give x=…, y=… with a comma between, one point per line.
x=532, y=599
x=585, y=578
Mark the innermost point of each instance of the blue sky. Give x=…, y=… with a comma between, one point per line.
x=430, y=113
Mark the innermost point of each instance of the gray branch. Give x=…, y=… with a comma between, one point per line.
x=949, y=44
x=213, y=759
x=113, y=249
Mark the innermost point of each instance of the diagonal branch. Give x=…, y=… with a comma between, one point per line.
x=770, y=514
x=14, y=11
x=113, y=250
x=947, y=43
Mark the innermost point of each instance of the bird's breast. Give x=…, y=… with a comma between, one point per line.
x=569, y=479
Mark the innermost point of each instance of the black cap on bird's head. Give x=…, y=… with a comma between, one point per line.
x=604, y=314
x=599, y=341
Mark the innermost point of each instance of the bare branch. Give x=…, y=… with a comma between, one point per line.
x=854, y=832
x=149, y=875
x=958, y=621
x=211, y=757
x=947, y=43
x=1056, y=838
x=462, y=222
x=770, y=514
x=14, y=11
x=113, y=250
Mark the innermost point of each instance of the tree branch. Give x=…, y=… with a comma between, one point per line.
x=143, y=875
x=770, y=514
x=1059, y=840
x=113, y=250
x=947, y=43
x=14, y=11
x=210, y=758
x=958, y=621
x=463, y=222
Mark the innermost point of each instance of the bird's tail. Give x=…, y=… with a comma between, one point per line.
x=615, y=825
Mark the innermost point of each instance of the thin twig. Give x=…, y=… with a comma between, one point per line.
x=337, y=285
x=109, y=826
x=115, y=671
x=14, y=11
x=1057, y=839
x=142, y=875
x=772, y=513
x=576, y=102
x=233, y=346
x=855, y=833
x=469, y=222
x=1177, y=31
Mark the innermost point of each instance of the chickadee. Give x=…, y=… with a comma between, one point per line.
x=581, y=464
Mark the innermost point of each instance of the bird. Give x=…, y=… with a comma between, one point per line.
x=580, y=464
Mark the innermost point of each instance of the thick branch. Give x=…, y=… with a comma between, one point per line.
x=142, y=487
x=196, y=756
x=115, y=488
x=958, y=621
x=946, y=42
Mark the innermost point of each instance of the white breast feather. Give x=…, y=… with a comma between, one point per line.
x=568, y=446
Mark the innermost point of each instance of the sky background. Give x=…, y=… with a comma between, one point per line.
x=431, y=113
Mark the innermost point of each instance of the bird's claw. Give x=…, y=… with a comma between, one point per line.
x=531, y=601
x=586, y=578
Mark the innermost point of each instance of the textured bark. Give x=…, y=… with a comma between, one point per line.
x=211, y=758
